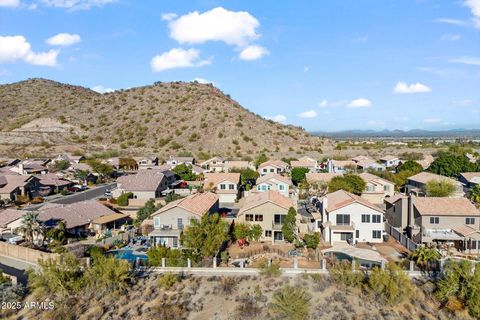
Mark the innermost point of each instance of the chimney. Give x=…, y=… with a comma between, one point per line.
x=411, y=217
x=20, y=168
x=324, y=208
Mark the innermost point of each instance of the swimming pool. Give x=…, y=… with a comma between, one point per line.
x=130, y=255
x=343, y=256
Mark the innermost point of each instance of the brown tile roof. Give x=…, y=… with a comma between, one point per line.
x=395, y=198
x=212, y=179
x=274, y=176
x=425, y=177
x=388, y=158
x=445, y=206
x=302, y=164
x=143, y=180
x=257, y=199
x=9, y=215
x=110, y=218
x=197, y=203
x=341, y=198
x=464, y=230
x=368, y=177
x=343, y=163
x=274, y=163
x=237, y=164
x=426, y=161
x=75, y=214
x=469, y=176
x=51, y=179
x=321, y=177
x=13, y=182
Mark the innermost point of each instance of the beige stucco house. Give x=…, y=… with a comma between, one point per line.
x=377, y=189
x=145, y=184
x=417, y=184
x=272, y=166
x=225, y=184
x=274, y=182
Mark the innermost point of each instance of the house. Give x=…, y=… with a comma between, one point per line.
x=272, y=166
x=170, y=220
x=146, y=162
x=27, y=167
x=10, y=219
x=445, y=220
x=377, y=189
x=305, y=162
x=8, y=162
x=345, y=217
x=396, y=212
x=215, y=164
x=50, y=182
x=470, y=179
x=225, y=184
x=77, y=216
x=145, y=184
x=416, y=184
x=267, y=209
x=174, y=161
x=341, y=166
x=69, y=157
x=274, y=182
x=365, y=163
x=238, y=164
x=471, y=157
x=105, y=224
x=12, y=186
x=319, y=181
x=426, y=161
x=390, y=161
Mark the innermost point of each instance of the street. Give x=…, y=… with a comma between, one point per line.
x=89, y=194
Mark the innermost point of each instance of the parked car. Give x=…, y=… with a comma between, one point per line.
x=77, y=188
x=107, y=194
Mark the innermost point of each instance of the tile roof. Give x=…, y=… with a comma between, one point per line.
x=341, y=198
x=257, y=199
x=426, y=161
x=143, y=180
x=388, y=158
x=197, y=203
x=471, y=176
x=322, y=176
x=361, y=158
x=425, y=177
x=445, y=206
x=51, y=179
x=75, y=214
x=110, y=218
x=212, y=179
x=274, y=176
x=368, y=177
x=395, y=198
x=9, y=215
x=274, y=163
x=464, y=230
x=302, y=164
x=13, y=182
x=343, y=163
x=240, y=164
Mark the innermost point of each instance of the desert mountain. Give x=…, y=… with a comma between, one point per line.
x=164, y=118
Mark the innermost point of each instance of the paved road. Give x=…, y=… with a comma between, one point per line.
x=89, y=194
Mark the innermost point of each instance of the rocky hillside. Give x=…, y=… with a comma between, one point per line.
x=165, y=118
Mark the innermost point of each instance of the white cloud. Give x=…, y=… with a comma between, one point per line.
x=76, y=4
x=64, y=39
x=308, y=114
x=450, y=37
x=306, y=69
x=177, y=58
x=169, y=16
x=432, y=120
x=452, y=21
x=203, y=81
x=403, y=87
x=474, y=6
x=464, y=102
x=102, y=89
x=278, y=118
x=234, y=28
x=253, y=53
x=323, y=104
x=10, y=3
x=360, y=103
x=466, y=60
x=17, y=48
x=362, y=39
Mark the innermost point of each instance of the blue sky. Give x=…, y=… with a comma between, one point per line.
x=324, y=65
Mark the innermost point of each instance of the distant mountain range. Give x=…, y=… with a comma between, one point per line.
x=454, y=133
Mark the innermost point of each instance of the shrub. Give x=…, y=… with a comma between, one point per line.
x=312, y=240
x=440, y=188
x=269, y=271
x=228, y=284
x=392, y=285
x=123, y=199
x=343, y=274
x=167, y=280
x=291, y=303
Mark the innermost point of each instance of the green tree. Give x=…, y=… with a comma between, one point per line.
x=122, y=200
x=298, y=174
x=292, y=303
x=289, y=225
x=349, y=182
x=312, y=240
x=107, y=275
x=451, y=164
x=59, y=233
x=475, y=194
x=127, y=163
x=206, y=235
x=31, y=227
x=260, y=159
x=424, y=257
x=103, y=169
x=145, y=212
x=391, y=285
x=246, y=175
x=255, y=232
x=185, y=172
x=410, y=165
x=81, y=175
x=240, y=231
x=61, y=165
x=440, y=188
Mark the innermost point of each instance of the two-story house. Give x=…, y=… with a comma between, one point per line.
x=389, y=161
x=174, y=161
x=274, y=182
x=341, y=166
x=345, y=217
x=417, y=184
x=377, y=189
x=267, y=209
x=470, y=179
x=305, y=162
x=170, y=220
x=365, y=163
x=272, y=166
x=225, y=184
x=215, y=164
x=146, y=162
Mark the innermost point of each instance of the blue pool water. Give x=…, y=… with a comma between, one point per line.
x=130, y=255
x=343, y=256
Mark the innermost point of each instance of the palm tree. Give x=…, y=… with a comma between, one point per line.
x=31, y=227
x=424, y=257
x=59, y=233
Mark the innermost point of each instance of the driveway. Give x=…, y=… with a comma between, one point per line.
x=89, y=194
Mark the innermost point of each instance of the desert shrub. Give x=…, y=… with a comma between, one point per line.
x=392, y=284
x=343, y=274
x=123, y=199
x=167, y=280
x=291, y=303
x=312, y=240
x=269, y=271
x=248, y=308
x=227, y=285
x=107, y=275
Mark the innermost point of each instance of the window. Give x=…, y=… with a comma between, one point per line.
x=376, y=218
x=469, y=220
x=278, y=236
x=376, y=234
x=156, y=222
x=357, y=234
x=434, y=220
x=222, y=186
x=175, y=242
x=280, y=187
x=259, y=217
x=386, y=187
x=344, y=236
x=279, y=218
x=319, y=224
x=264, y=169
x=473, y=244
x=268, y=233
x=258, y=188
x=370, y=188
x=272, y=170
x=365, y=218
x=180, y=223
x=231, y=186
x=249, y=217
x=264, y=187
x=343, y=219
